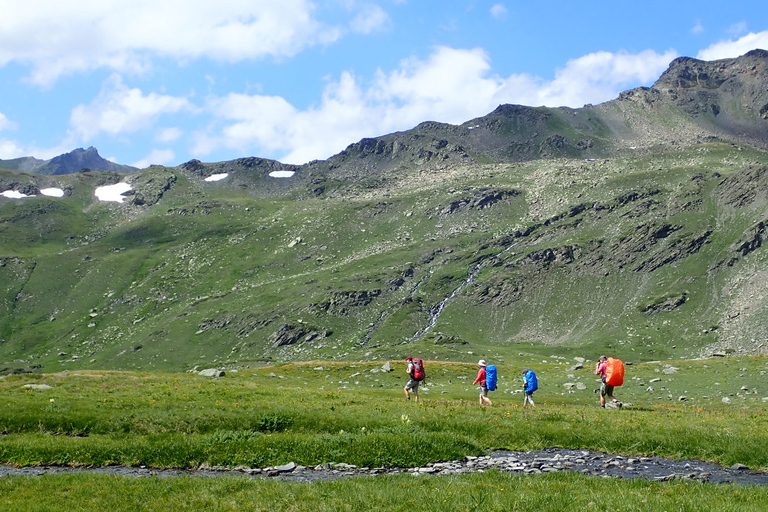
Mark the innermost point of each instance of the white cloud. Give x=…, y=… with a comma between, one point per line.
x=499, y=11
x=738, y=29
x=57, y=38
x=5, y=123
x=119, y=109
x=370, y=19
x=735, y=48
x=600, y=76
x=156, y=157
x=169, y=135
x=697, y=28
x=452, y=86
x=9, y=149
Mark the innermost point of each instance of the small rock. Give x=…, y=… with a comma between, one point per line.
x=39, y=387
x=739, y=467
x=211, y=372
x=286, y=467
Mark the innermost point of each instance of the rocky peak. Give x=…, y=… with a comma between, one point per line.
x=79, y=159
x=688, y=73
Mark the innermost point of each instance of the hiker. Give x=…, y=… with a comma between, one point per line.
x=414, y=378
x=530, y=384
x=481, y=379
x=605, y=388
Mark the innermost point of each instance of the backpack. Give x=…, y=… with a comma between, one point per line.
x=532, y=383
x=614, y=372
x=418, y=369
x=490, y=377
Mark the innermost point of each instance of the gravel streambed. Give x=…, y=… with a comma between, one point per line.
x=533, y=462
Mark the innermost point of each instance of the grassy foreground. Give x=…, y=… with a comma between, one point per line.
x=492, y=491
x=311, y=413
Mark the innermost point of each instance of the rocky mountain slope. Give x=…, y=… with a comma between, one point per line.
x=634, y=227
x=67, y=163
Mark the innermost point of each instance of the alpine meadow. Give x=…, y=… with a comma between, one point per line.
x=531, y=237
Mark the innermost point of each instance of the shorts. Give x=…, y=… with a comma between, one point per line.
x=606, y=389
x=412, y=385
x=483, y=390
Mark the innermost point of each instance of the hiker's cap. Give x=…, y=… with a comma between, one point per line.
x=481, y=362
x=409, y=358
x=602, y=357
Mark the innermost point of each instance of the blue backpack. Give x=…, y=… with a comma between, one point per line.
x=490, y=377
x=532, y=382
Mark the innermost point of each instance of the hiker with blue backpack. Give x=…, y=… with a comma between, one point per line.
x=530, y=384
x=486, y=377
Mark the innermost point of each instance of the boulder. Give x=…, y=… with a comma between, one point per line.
x=39, y=387
x=211, y=372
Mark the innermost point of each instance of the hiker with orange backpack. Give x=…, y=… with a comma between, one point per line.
x=416, y=374
x=611, y=372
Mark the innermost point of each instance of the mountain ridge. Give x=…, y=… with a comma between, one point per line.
x=66, y=163
x=634, y=227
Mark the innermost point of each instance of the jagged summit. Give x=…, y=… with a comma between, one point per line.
x=67, y=163
x=687, y=72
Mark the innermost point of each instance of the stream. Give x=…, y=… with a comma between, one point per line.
x=547, y=460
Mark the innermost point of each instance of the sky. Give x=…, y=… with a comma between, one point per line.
x=166, y=81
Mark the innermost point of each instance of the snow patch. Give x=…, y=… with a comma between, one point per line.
x=13, y=194
x=52, y=192
x=113, y=193
x=282, y=174
x=216, y=177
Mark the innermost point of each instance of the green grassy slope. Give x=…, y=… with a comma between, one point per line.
x=633, y=254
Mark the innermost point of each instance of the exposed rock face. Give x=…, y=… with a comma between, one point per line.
x=340, y=303
x=289, y=334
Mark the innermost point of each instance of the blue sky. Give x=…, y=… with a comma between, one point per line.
x=165, y=81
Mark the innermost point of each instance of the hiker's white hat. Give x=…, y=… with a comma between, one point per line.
x=481, y=362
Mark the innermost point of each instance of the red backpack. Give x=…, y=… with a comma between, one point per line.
x=418, y=369
x=614, y=372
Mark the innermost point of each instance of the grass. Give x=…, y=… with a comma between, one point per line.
x=317, y=412
x=491, y=491
x=353, y=412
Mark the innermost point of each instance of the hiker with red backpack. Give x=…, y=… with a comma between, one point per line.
x=611, y=372
x=416, y=374
x=482, y=379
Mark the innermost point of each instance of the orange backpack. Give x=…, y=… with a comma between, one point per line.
x=614, y=372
